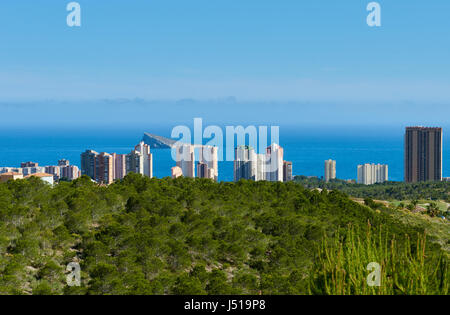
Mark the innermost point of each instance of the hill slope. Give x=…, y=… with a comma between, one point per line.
x=183, y=236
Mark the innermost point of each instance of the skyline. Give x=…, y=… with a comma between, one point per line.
x=363, y=158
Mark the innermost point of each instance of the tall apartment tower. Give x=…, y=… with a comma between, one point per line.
x=98, y=166
x=104, y=168
x=203, y=171
x=69, y=172
x=330, y=170
x=120, y=165
x=88, y=163
x=186, y=159
x=248, y=164
x=209, y=156
x=369, y=174
x=140, y=160
x=423, y=154
x=244, y=163
x=287, y=171
x=274, y=163
x=63, y=162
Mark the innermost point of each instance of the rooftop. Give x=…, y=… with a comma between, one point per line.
x=11, y=174
x=39, y=175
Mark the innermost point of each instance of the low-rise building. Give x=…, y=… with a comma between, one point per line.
x=177, y=172
x=4, y=177
x=48, y=178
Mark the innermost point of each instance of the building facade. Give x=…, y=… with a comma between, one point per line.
x=104, y=168
x=245, y=163
x=176, y=172
x=48, y=178
x=330, y=170
x=88, y=163
x=423, y=154
x=4, y=177
x=274, y=163
x=287, y=171
x=186, y=159
x=120, y=165
x=209, y=155
x=369, y=174
x=54, y=170
x=69, y=172
x=29, y=164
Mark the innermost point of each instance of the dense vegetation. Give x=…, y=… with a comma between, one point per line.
x=383, y=191
x=186, y=236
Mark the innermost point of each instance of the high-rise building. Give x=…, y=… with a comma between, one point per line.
x=29, y=164
x=209, y=156
x=287, y=171
x=269, y=166
x=63, y=162
x=120, y=165
x=69, y=172
x=423, y=154
x=140, y=160
x=54, y=170
x=261, y=166
x=186, y=159
x=88, y=163
x=202, y=170
x=274, y=163
x=248, y=164
x=104, y=168
x=98, y=166
x=369, y=174
x=330, y=170
x=245, y=163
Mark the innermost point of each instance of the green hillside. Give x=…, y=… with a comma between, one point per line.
x=186, y=236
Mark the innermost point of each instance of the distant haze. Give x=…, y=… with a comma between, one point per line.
x=146, y=114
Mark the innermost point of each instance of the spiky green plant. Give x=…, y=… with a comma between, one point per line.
x=341, y=265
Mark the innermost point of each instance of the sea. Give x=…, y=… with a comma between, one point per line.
x=307, y=147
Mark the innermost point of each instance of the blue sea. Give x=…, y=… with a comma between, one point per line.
x=306, y=147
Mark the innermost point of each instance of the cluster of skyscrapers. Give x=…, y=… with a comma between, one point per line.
x=269, y=166
x=105, y=168
x=207, y=165
x=422, y=159
x=422, y=162
x=61, y=171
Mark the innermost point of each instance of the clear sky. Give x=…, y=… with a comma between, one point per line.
x=254, y=50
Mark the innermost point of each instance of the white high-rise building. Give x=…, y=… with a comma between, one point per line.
x=248, y=164
x=209, y=156
x=186, y=159
x=244, y=163
x=140, y=160
x=261, y=167
x=330, y=170
x=274, y=163
x=369, y=174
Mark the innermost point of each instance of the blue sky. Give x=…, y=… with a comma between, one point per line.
x=313, y=51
